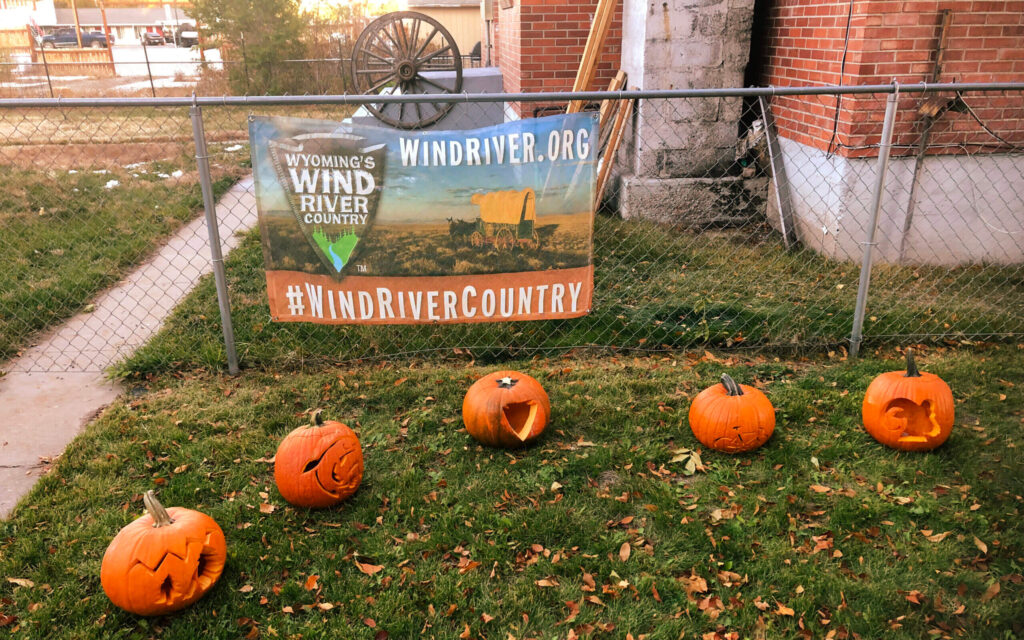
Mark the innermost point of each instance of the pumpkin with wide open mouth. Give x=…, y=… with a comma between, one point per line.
x=506, y=409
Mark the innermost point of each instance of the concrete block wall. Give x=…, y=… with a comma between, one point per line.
x=669, y=45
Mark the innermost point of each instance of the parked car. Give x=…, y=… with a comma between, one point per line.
x=66, y=38
x=186, y=36
x=152, y=37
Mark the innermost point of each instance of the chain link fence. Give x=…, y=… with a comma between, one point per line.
x=171, y=71
x=720, y=227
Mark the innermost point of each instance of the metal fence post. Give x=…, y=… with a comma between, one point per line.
x=857, y=334
x=149, y=70
x=216, y=257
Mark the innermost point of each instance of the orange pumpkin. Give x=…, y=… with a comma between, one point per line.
x=318, y=465
x=732, y=417
x=506, y=409
x=908, y=410
x=163, y=561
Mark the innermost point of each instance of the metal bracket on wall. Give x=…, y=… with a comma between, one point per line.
x=782, y=196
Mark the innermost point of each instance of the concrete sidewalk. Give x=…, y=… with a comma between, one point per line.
x=41, y=412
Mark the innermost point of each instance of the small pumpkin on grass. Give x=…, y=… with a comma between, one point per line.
x=506, y=409
x=318, y=465
x=908, y=410
x=164, y=560
x=732, y=417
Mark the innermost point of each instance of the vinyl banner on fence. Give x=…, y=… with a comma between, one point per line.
x=367, y=225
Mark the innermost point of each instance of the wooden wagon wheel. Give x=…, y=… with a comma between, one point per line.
x=476, y=239
x=402, y=50
x=504, y=240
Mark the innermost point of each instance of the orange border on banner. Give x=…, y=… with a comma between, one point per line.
x=528, y=295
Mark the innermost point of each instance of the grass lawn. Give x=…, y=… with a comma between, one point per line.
x=91, y=193
x=595, y=531
x=66, y=238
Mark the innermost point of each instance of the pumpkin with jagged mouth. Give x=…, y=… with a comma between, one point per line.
x=506, y=409
x=164, y=560
x=732, y=417
x=318, y=465
x=909, y=410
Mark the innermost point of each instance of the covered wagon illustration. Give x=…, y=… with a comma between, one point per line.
x=507, y=219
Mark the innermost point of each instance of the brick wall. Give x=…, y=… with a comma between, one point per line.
x=539, y=46
x=894, y=39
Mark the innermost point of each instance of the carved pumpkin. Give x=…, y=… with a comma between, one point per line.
x=163, y=561
x=732, y=417
x=318, y=465
x=506, y=409
x=908, y=410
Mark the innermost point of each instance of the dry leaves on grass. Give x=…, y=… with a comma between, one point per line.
x=991, y=592
x=783, y=610
x=367, y=568
x=981, y=545
x=938, y=537
x=624, y=551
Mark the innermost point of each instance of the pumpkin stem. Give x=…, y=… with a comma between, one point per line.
x=912, y=371
x=160, y=516
x=731, y=386
x=316, y=418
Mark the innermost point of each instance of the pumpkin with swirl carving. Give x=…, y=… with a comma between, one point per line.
x=908, y=410
x=318, y=465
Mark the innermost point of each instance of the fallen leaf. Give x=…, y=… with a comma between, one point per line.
x=267, y=508
x=311, y=584
x=624, y=551
x=246, y=589
x=915, y=596
x=546, y=582
x=981, y=545
x=370, y=622
x=465, y=634
x=486, y=618
x=555, y=486
x=367, y=568
x=820, y=488
x=325, y=606
x=938, y=537
x=783, y=610
x=21, y=582
x=991, y=592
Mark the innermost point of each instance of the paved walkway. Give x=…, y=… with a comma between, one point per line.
x=40, y=413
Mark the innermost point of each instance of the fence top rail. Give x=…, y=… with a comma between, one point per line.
x=358, y=99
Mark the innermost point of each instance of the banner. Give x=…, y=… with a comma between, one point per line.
x=368, y=225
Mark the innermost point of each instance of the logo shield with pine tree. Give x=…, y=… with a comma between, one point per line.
x=333, y=183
